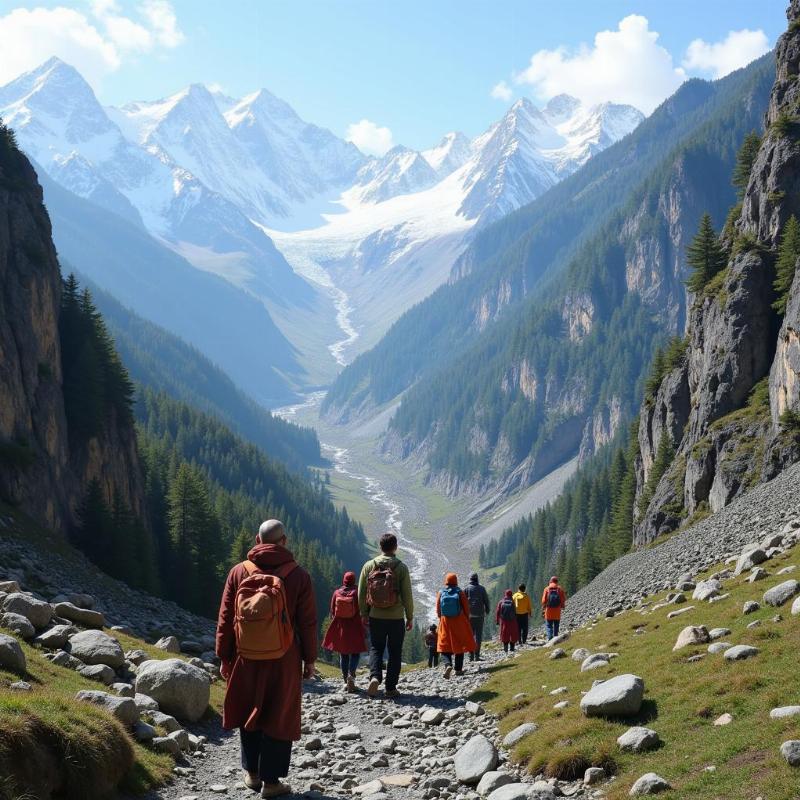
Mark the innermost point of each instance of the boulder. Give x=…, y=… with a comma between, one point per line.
x=37, y=611
x=9, y=587
x=474, y=759
x=692, y=635
x=593, y=775
x=62, y=659
x=164, y=744
x=143, y=732
x=740, y=652
x=791, y=752
x=778, y=595
x=433, y=716
x=705, y=590
x=144, y=703
x=179, y=688
x=516, y=735
x=348, y=734
x=719, y=647
x=82, y=616
x=639, y=740
x=649, y=783
x=98, y=672
x=493, y=780
x=620, y=696
x=96, y=647
x=122, y=689
x=56, y=637
x=122, y=708
x=165, y=721
x=580, y=654
x=12, y=657
x=757, y=574
x=18, y=624
x=168, y=644
x=594, y=662
x=785, y=711
x=749, y=559
x=750, y=607
x=796, y=607
x=718, y=633
x=522, y=791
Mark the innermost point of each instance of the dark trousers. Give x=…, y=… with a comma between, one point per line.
x=476, y=623
x=349, y=663
x=433, y=656
x=264, y=756
x=386, y=634
x=552, y=628
x=448, y=660
x=507, y=645
x=522, y=621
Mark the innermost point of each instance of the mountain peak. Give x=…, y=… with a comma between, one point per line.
x=562, y=106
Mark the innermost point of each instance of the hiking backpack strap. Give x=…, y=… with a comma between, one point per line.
x=282, y=572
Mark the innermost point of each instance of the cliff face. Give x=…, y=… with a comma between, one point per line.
x=41, y=470
x=721, y=406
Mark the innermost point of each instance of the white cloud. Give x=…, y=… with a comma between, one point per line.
x=95, y=42
x=369, y=137
x=501, y=91
x=626, y=65
x=736, y=50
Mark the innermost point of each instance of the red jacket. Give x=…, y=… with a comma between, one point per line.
x=345, y=635
x=265, y=695
x=509, y=628
x=553, y=613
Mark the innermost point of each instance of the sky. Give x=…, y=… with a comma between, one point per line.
x=387, y=72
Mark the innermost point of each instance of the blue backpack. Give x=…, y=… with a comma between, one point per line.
x=450, y=601
x=553, y=597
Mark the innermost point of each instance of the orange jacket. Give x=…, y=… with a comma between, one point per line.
x=455, y=633
x=553, y=613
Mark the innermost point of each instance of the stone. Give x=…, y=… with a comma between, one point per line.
x=122, y=689
x=750, y=607
x=433, y=716
x=96, y=647
x=778, y=595
x=181, y=737
x=757, y=574
x=121, y=708
x=513, y=737
x=596, y=661
x=12, y=656
x=557, y=640
x=580, y=654
x=639, y=740
x=680, y=612
x=20, y=686
x=692, y=635
x=401, y=780
x=164, y=744
x=315, y=743
x=749, y=559
x=98, y=672
x=18, y=624
x=476, y=709
x=144, y=703
x=62, y=659
x=796, y=607
x=705, y=590
x=558, y=653
x=650, y=783
x=143, y=732
x=740, y=652
x=179, y=688
x=474, y=759
x=521, y=791
x=791, y=752
x=562, y=704
x=56, y=637
x=136, y=657
x=718, y=633
x=388, y=745
x=9, y=587
x=82, y=616
x=723, y=719
x=785, y=711
x=491, y=781
x=37, y=612
x=620, y=696
x=168, y=644
x=719, y=647
x=593, y=775
x=371, y=787
x=348, y=734
x=165, y=721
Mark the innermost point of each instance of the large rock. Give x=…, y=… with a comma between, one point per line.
x=620, y=696
x=96, y=647
x=778, y=595
x=522, y=791
x=649, y=784
x=11, y=655
x=82, y=616
x=691, y=635
x=796, y=607
x=785, y=711
x=98, y=672
x=740, y=652
x=705, y=590
x=515, y=736
x=56, y=637
x=18, y=624
x=122, y=708
x=37, y=611
x=477, y=757
x=493, y=780
x=179, y=688
x=749, y=559
x=638, y=740
x=169, y=644
x=791, y=752
x=595, y=661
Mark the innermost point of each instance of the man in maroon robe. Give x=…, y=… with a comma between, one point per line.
x=263, y=697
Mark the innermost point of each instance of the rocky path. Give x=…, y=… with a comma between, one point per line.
x=374, y=748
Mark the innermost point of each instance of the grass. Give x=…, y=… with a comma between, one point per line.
x=681, y=700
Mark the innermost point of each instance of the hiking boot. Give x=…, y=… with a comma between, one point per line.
x=252, y=781
x=372, y=689
x=391, y=693
x=350, y=683
x=459, y=673
x=448, y=671
x=275, y=789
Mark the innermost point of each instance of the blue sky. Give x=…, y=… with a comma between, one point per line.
x=416, y=69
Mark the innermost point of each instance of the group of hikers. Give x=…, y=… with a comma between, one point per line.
x=267, y=639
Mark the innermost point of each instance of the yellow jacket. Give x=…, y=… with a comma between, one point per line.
x=522, y=603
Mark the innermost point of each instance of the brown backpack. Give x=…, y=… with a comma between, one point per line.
x=382, y=587
x=262, y=624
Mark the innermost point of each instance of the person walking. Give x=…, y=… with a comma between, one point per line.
x=524, y=609
x=345, y=634
x=430, y=642
x=554, y=601
x=505, y=616
x=385, y=599
x=455, y=633
x=267, y=643
x=478, y=602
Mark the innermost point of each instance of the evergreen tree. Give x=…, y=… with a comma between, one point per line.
x=788, y=253
x=744, y=162
x=93, y=532
x=704, y=255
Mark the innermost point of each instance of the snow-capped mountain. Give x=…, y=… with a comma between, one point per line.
x=400, y=171
x=452, y=152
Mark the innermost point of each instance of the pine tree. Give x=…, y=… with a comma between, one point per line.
x=744, y=162
x=94, y=529
x=788, y=253
x=704, y=255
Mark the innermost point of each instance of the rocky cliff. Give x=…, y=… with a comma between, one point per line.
x=722, y=404
x=43, y=469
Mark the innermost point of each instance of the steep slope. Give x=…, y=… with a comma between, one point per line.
x=507, y=260
x=727, y=408
x=46, y=459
